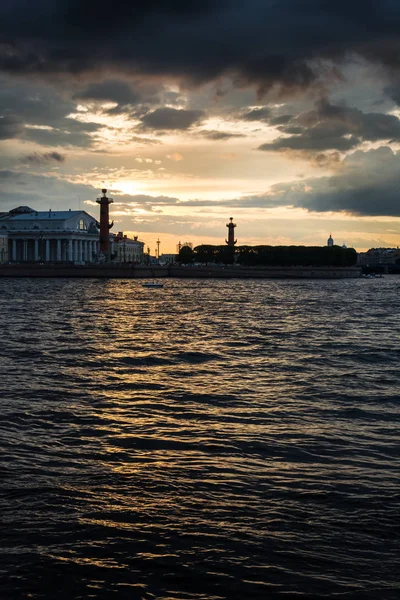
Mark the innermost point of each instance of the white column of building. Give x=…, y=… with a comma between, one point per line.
x=25, y=250
x=86, y=251
x=76, y=250
x=47, y=250
x=36, y=250
x=80, y=250
x=14, y=250
x=93, y=250
x=58, y=250
x=70, y=250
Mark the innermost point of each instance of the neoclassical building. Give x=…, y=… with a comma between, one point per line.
x=50, y=236
x=126, y=250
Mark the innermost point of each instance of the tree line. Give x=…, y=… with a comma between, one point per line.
x=271, y=256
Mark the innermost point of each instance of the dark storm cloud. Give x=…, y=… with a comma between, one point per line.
x=172, y=118
x=366, y=185
x=44, y=158
x=110, y=91
x=369, y=126
x=122, y=93
x=10, y=127
x=393, y=91
x=334, y=127
x=254, y=40
x=26, y=104
x=35, y=104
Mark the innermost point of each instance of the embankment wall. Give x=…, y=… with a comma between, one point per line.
x=144, y=272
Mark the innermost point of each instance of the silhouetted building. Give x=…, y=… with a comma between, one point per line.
x=126, y=250
x=44, y=236
x=231, y=233
x=330, y=241
x=167, y=259
x=379, y=256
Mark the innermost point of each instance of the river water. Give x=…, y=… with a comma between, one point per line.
x=209, y=440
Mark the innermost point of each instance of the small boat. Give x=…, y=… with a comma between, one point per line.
x=152, y=284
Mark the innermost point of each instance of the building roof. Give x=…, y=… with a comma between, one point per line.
x=24, y=213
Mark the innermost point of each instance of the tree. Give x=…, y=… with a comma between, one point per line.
x=186, y=255
x=205, y=253
x=225, y=254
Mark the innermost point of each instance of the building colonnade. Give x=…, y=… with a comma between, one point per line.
x=43, y=249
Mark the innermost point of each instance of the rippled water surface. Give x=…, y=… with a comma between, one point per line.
x=208, y=440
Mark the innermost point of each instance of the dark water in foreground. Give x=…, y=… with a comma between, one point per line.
x=208, y=440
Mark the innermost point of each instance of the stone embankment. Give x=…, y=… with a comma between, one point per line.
x=142, y=272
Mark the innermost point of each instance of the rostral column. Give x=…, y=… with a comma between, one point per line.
x=231, y=233
x=105, y=224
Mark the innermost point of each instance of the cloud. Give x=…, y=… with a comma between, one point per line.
x=172, y=118
x=109, y=91
x=317, y=140
x=40, y=114
x=366, y=185
x=280, y=119
x=44, y=158
x=220, y=135
x=256, y=114
x=11, y=126
x=334, y=127
x=124, y=94
x=41, y=191
x=36, y=104
x=284, y=42
x=59, y=137
x=175, y=156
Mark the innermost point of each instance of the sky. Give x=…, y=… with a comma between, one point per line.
x=281, y=114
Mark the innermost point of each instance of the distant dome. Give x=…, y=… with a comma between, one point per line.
x=344, y=246
x=330, y=241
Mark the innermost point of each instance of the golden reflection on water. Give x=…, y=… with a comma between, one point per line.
x=225, y=428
